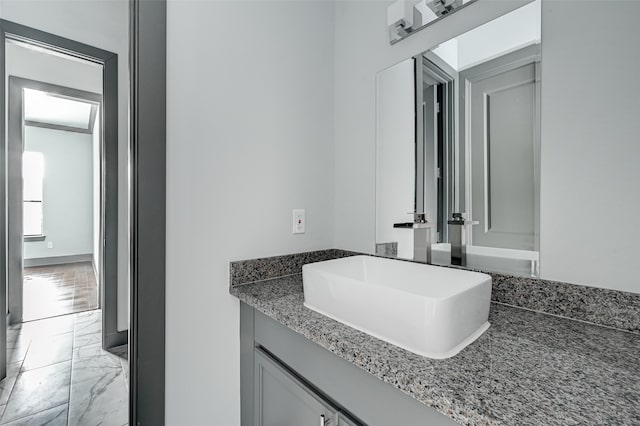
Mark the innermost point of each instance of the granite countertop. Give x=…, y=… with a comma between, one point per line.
x=528, y=368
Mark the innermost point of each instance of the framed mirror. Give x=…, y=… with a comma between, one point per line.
x=458, y=150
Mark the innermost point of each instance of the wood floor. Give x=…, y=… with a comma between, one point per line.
x=54, y=290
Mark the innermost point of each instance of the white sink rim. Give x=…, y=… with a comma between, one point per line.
x=440, y=319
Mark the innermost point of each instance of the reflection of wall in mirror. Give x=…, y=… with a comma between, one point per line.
x=395, y=155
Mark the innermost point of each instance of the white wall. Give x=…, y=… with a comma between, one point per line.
x=395, y=156
x=590, y=148
x=362, y=50
x=67, y=192
x=103, y=24
x=35, y=64
x=250, y=137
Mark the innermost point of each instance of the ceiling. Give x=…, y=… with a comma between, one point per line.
x=57, y=111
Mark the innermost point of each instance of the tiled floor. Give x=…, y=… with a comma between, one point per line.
x=58, y=374
x=58, y=290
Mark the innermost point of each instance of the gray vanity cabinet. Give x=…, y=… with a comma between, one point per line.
x=283, y=400
x=287, y=380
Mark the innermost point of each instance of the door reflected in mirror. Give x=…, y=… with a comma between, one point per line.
x=458, y=142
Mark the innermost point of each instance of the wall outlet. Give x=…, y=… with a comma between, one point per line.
x=299, y=221
x=50, y=244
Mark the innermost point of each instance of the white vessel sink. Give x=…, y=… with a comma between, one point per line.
x=430, y=310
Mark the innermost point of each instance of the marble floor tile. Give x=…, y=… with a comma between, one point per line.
x=56, y=416
x=102, y=400
x=88, y=329
x=125, y=370
x=93, y=368
x=62, y=376
x=87, y=340
x=48, y=327
x=17, y=349
x=45, y=351
x=88, y=315
x=88, y=325
x=121, y=351
x=38, y=390
x=88, y=351
x=6, y=385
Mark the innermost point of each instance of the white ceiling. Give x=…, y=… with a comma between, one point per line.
x=43, y=107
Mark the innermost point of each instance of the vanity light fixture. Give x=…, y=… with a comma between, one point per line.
x=400, y=16
x=408, y=16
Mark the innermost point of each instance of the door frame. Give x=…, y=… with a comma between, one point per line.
x=15, y=147
x=11, y=241
x=430, y=67
x=148, y=211
x=530, y=54
x=148, y=35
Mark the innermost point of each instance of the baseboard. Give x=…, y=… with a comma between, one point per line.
x=116, y=339
x=58, y=260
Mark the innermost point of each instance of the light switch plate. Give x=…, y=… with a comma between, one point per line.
x=299, y=221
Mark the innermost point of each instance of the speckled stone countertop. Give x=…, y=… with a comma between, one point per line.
x=527, y=369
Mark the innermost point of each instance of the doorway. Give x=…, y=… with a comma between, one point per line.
x=60, y=140
x=145, y=82
x=435, y=138
x=106, y=114
x=65, y=361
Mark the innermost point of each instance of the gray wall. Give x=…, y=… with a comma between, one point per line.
x=590, y=148
x=395, y=157
x=249, y=138
x=67, y=192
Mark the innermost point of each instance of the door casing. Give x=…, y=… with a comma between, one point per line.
x=15, y=148
x=525, y=56
x=11, y=241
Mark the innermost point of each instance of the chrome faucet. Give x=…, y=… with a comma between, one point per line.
x=458, y=230
x=421, y=236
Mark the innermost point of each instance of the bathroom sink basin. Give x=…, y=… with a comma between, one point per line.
x=429, y=310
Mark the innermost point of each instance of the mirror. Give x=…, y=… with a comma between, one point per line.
x=458, y=150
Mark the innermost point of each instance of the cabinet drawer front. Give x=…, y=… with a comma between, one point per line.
x=282, y=400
